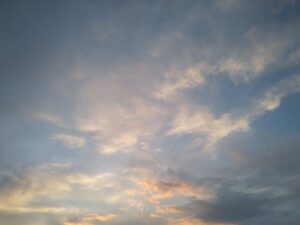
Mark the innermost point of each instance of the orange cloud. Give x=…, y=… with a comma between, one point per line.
x=158, y=190
x=165, y=210
x=192, y=221
x=91, y=219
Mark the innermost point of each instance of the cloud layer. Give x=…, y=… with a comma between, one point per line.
x=137, y=112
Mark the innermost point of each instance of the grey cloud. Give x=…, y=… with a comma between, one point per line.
x=29, y=219
x=233, y=207
x=262, y=189
x=257, y=205
x=280, y=160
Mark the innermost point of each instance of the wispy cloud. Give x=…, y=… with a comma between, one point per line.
x=186, y=112
x=91, y=219
x=159, y=190
x=70, y=141
x=50, y=118
x=179, y=80
x=213, y=129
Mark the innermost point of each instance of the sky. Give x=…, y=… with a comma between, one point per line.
x=163, y=112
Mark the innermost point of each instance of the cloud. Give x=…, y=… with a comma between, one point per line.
x=211, y=129
x=70, y=141
x=56, y=189
x=91, y=219
x=192, y=221
x=19, y=191
x=92, y=182
x=262, y=51
x=202, y=122
x=132, y=102
x=50, y=118
x=155, y=190
x=245, y=201
x=168, y=209
x=179, y=80
x=125, y=142
x=141, y=83
x=233, y=207
x=120, y=121
x=261, y=190
x=273, y=97
x=47, y=188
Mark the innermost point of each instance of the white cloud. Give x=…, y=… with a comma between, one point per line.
x=53, y=188
x=33, y=184
x=91, y=219
x=273, y=97
x=50, y=118
x=210, y=129
x=117, y=116
x=177, y=80
x=70, y=141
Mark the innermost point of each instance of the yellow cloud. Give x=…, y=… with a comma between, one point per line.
x=91, y=219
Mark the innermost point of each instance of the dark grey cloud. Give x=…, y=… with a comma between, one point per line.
x=264, y=188
x=233, y=206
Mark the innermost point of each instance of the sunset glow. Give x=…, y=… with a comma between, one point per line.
x=134, y=112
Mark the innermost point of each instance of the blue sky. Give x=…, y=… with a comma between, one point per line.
x=149, y=112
